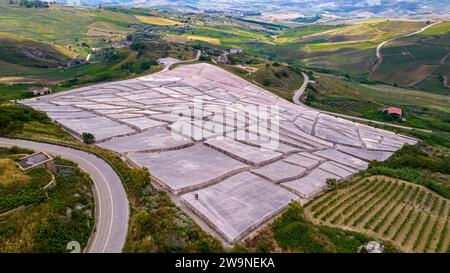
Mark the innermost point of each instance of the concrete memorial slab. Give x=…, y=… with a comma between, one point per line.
x=280, y=171
x=302, y=160
x=342, y=158
x=157, y=139
x=102, y=128
x=189, y=168
x=242, y=178
x=311, y=184
x=245, y=153
x=238, y=204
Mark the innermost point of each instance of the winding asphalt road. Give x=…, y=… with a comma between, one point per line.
x=301, y=90
x=169, y=61
x=111, y=203
x=378, y=52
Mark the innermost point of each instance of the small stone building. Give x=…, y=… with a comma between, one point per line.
x=223, y=59
x=235, y=50
x=371, y=247
x=42, y=91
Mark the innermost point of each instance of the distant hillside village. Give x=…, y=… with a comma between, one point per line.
x=233, y=12
x=32, y=3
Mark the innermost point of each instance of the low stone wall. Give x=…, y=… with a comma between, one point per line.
x=9, y=212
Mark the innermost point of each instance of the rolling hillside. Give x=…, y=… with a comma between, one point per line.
x=349, y=49
x=419, y=60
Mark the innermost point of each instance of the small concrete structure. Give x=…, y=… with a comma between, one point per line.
x=371, y=247
x=235, y=50
x=36, y=160
x=42, y=91
x=223, y=59
x=238, y=204
x=97, y=50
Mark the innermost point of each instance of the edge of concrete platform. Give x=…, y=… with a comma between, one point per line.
x=244, y=233
x=311, y=195
x=241, y=159
x=199, y=186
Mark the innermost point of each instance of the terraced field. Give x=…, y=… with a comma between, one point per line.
x=412, y=217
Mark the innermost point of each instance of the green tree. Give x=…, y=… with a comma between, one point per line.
x=88, y=138
x=331, y=183
x=267, y=82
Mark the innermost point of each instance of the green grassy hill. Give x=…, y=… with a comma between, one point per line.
x=30, y=54
x=348, y=49
x=421, y=109
x=47, y=38
x=417, y=61
x=420, y=60
x=65, y=26
x=35, y=49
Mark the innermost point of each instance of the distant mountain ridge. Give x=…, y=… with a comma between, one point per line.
x=399, y=7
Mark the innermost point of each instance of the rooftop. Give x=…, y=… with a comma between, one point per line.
x=393, y=110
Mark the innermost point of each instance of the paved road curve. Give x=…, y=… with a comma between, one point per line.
x=378, y=51
x=302, y=89
x=169, y=61
x=111, y=203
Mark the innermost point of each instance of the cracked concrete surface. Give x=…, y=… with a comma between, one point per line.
x=235, y=169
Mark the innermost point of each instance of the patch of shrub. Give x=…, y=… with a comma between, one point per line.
x=13, y=117
x=293, y=232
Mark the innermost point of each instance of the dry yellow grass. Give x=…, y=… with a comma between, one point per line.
x=176, y=38
x=282, y=40
x=153, y=20
x=210, y=40
x=10, y=172
x=105, y=26
x=28, y=220
x=63, y=49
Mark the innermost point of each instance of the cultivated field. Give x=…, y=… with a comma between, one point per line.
x=410, y=216
x=410, y=60
x=210, y=40
x=154, y=20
